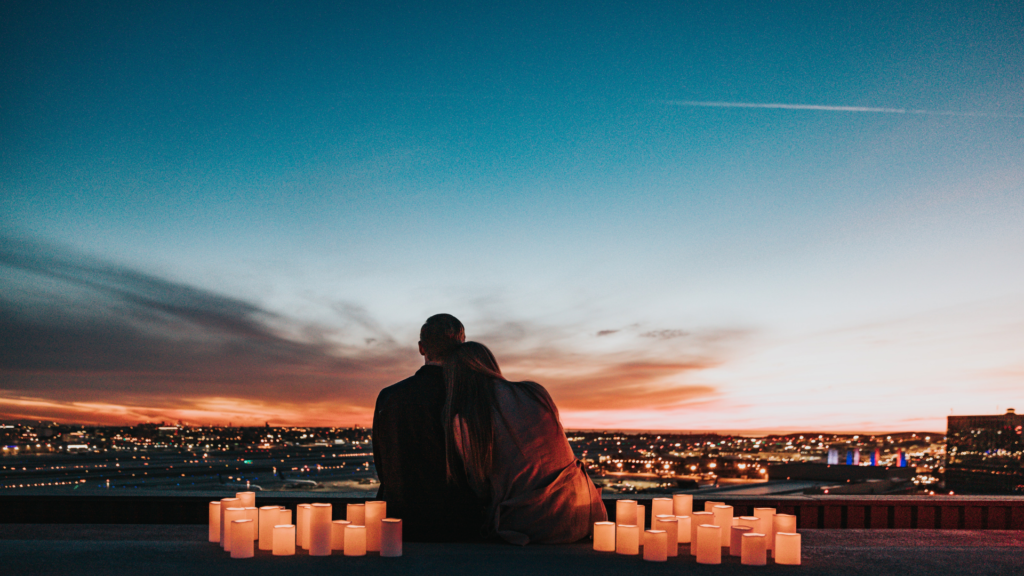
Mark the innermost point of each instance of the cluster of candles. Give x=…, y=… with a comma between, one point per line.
x=674, y=522
x=237, y=525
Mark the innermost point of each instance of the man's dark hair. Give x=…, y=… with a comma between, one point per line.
x=441, y=334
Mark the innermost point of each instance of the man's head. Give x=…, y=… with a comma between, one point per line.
x=440, y=334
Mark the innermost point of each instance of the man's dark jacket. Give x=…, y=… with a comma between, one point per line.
x=409, y=453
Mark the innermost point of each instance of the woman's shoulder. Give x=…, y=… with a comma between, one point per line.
x=528, y=390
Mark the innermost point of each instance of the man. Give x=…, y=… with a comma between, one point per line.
x=409, y=447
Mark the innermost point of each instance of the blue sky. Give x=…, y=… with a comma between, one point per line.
x=332, y=173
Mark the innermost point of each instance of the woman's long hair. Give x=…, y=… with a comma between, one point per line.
x=469, y=375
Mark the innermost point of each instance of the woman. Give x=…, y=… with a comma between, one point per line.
x=505, y=442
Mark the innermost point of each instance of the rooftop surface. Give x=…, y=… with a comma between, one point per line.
x=111, y=549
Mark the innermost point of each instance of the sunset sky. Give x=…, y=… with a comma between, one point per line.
x=673, y=215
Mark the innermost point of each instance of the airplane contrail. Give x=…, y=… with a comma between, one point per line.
x=779, y=106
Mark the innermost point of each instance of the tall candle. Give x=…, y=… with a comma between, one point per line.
x=753, y=550
x=284, y=540
x=356, y=514
x=625, y=512
x=338, y=534
x=787, y=548
x=253, y=513
x=230, y=515
x=766, y=515
x=214, y=532
x=247, y=498
x=604, y=536
x=390, y=537
x=710, y=506
x=302, y=525
x=627, y=539
x=641, y=521
x=225, y=503
x=320, y=530
x=723, y=519
x=736, y=539
x=684, y=529
x=285, y=516
x=656, y=546
x=670, y=524
x=682, y=504
x=242, y=538
x=267, y=521
x=709, y=544
x=355, y=540
x=375, y=510
x=782, y=523
x=696, y=520
x=661, y=507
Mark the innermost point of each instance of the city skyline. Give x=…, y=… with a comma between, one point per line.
x=701, y=217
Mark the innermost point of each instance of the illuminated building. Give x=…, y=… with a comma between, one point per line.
x=985, y=453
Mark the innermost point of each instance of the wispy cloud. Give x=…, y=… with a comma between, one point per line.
x=824, y=108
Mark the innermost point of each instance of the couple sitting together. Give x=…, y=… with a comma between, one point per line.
x=464, y=454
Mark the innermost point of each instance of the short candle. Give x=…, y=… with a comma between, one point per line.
x=268, y=519
x=781, y=523
x=709, y=544
x=684, y=529
x=375, y=511
x=338, y=534
x=604, y=536
x=320, y=530
x=661, y=507
x=625, y=512
x=390, y=537
x=627, y=539
x=247, y=498
x=787, y=548
x=754, y=551
x=723, y=519
x=682, y=504
x=710, y=506
x=765, y=515
x=736, y=539
x=355, y=540
x=285, y=516
x=242, y=538
x=670, y=524
x=284, y=540
x=214, y=532
x=356, y=514
x=655, y=545
x=696, y=520
x=302, y=525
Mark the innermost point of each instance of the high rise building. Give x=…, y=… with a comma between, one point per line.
x=985, y=454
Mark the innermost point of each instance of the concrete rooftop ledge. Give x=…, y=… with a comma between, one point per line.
x=111, y=550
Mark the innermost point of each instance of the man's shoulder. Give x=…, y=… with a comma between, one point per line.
x=422, y=383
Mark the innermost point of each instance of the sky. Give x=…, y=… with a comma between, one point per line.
x=673, y=215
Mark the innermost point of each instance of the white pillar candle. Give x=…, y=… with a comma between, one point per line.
x=284, y=540
x=661, y=507
x=390, y=537
x=625, y=512
x=682, y=504
x=641, y=521
x=656, y=546
x=230, y=515
x=736, y=539
x=356, y=514
x=355, y=540
x=710, y=506
x=241, y=538
x=225, y=503
x=268, y=519
x=723, y=519
x=766, y=516
x=781, y=523
x=670, y=525
x=604, y=536
x=787, y=548
x=696, y=520
x=747, y=521
x=709, y=544
x=285, y=516
x=338, y=534
x=735, y=521
x=302, y=525
x=253, y=513
x=247, y=498
x=753, y=550
x=376, y=510
x=320, y=530
x=627, y=539
x=214, y=532
x=684, y=529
